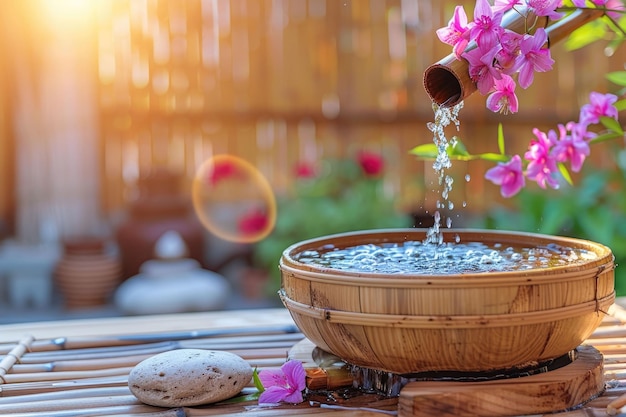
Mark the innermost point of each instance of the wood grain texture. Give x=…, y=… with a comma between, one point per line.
x=556, y=390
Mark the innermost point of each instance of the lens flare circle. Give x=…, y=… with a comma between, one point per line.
x=233, y=200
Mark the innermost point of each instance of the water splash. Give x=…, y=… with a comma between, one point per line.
x=444, y=116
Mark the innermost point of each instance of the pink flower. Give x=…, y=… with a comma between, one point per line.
x=486, y=28
x=541, y=164
x=600, y=105
x=305, y=170
x=481, y=70
x=573, y=148
x=503, y=99
x=508, y=176
x=253, y=222
x=506, y=56
x=455, y=33
x=371, y=163
x=221, y=171
x=546, y=8
x=283, y=385
x=505, y=5
x=533, y=57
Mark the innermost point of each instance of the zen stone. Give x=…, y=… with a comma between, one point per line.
x=187, y=377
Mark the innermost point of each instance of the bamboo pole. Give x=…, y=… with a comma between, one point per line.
x=14, y=356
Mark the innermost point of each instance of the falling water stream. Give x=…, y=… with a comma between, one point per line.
x=433, y=255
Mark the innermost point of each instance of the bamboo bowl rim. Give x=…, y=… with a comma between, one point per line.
x=581, y=270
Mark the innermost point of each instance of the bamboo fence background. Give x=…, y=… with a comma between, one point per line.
x=271, y=81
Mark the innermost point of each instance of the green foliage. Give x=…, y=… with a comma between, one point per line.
x=594, y=209
x=341, y=198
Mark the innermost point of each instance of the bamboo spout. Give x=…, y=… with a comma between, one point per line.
x=448, y=82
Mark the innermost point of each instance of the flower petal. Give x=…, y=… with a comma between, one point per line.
x=272, y=377
x=274, y=394
x=295, y=373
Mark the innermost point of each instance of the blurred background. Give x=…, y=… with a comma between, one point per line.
x=110, y=111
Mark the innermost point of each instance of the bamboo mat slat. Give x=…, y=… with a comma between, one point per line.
x=81, y=367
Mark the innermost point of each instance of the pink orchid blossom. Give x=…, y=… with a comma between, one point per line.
x=505, y=5
x=487, y=25
x=541, y=164
x=573, y=147
x=600, y=105
x=283, y=385
x=533, y=57
x=455, y=33
x=506, y=56
x=503, y=99
x=546, y=8
x=481, y=70
x=508, y=175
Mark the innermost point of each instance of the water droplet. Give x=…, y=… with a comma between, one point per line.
x=467, y=177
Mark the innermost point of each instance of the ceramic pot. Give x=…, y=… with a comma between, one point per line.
x=87, y=274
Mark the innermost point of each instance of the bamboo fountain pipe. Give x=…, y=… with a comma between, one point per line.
x=448, y=82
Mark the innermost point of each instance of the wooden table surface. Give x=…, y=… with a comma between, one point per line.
x=80, y=367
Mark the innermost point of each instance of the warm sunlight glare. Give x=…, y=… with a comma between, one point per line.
x=67, y=14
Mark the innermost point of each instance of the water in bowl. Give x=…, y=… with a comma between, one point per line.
x=415, y=257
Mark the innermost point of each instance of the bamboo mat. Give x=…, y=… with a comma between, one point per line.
x=81, y=367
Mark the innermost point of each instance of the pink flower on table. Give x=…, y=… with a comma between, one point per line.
x=486, y=28
x=600, y=105
x=508, y=175
x=541, y=164
x=481, y=70
x=546, y=8
x=283, y=385
x=455, y=33
x=503, y=99
x=533, y=57
x=573, y=147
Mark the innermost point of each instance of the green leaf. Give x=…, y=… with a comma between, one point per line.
x=428, y=151
x=501, y=138
x=585, y=35
x=493, y=157
x=617, y=77
x=241, y=398
x=458, y=149
x=565, y=172
x=611, y=124
x=606, y=137
x=257, y=381
x=620, y=105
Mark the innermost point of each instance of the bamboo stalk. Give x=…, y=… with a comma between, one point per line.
x=68, y=375
x=68, y=343
x=14, y=356
x=66, y=394
x=62, y=360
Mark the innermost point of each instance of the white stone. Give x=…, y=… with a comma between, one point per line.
x=188, y=377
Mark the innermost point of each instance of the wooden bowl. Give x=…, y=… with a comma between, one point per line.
x=407, y=323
